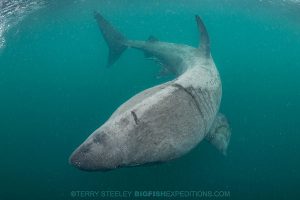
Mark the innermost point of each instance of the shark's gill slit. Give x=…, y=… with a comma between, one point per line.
x=135, y=117
x=191, y=95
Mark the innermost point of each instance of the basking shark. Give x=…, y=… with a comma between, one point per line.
x=164, y=122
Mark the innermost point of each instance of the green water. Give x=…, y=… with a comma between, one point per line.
x=55, y=91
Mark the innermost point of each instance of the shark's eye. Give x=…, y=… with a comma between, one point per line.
x=100, y=138
x=124, y=121
x=86, y=148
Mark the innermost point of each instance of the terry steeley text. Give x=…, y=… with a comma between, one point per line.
x=137, y=194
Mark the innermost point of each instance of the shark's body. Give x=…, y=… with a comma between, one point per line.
x=165, y=121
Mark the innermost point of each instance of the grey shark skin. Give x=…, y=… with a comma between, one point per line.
x=166, y=121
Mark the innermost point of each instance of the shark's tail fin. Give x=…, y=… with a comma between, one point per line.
x=113, y=38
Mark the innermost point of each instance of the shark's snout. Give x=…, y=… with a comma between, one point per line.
x=93, y=155
x=81, y=161
x=78, y=160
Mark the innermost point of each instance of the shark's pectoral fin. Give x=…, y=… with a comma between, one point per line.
x=149, y=56
x=219, y=134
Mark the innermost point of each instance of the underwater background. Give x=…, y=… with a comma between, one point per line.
x=55, y=91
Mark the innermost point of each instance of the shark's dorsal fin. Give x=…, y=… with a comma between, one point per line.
x=152, y=39
x=204, y=38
